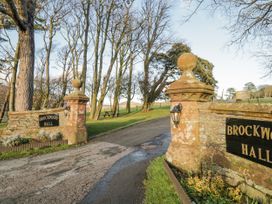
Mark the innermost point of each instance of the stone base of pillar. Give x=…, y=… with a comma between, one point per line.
x=76, y=135
x=184, y=157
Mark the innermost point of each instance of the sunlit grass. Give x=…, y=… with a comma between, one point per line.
x=260, y=100
x=158, y=187
x=106, y=124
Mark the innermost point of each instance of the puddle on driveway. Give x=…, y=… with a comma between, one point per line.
x=111, y=151
x=146, y=151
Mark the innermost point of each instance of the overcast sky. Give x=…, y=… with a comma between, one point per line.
x=208, y=39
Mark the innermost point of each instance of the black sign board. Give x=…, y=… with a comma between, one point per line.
x=250, y=139
x=49, y=120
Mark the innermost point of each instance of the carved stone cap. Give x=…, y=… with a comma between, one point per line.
x=76, y=97
x=76, y=83
x=77, y=94
x=187, y=62
x=188, y=88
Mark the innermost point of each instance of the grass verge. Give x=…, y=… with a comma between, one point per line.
x=258, y=101
x=30, y=152
x=107, y=124
x=158, y=187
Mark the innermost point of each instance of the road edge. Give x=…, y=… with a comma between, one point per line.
x=124, y=127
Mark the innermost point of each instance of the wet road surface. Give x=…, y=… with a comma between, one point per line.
x=123, y=183
x=138, y=134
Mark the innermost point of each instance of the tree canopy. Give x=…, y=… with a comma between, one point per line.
x=163, y=70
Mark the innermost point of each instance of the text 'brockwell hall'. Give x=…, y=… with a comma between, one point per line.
x=250, y=131
x=250, y=139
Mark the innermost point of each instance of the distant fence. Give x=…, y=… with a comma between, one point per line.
x=32, y=145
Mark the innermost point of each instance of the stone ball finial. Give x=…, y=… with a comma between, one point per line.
x=77, y=83
x=187, y=62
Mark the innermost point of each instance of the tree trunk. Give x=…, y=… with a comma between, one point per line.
x=60, y=102
x=95, y=73
x=104, y=87
x=116, y=97
x=145, y=107
x=117, y=90
x=5, y=106
x=13, y=79
x=47, y=64
x=101, y=34
x=39, y=100
x=24, y=93
x=93, y=104
x=85, y=49
x=128, y=106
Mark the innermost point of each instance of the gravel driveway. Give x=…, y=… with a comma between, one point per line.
x=60, y=177
x=70, y=176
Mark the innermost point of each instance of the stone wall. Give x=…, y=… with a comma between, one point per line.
x=199, y=140
x=253, y=178
x=26, y=123
x=70, y=122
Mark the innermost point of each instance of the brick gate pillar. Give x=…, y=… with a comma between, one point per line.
x=184, y=150
x=75, y=129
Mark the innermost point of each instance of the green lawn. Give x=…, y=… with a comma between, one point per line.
x=158, y=187
x=258, y=101
x=103, y=125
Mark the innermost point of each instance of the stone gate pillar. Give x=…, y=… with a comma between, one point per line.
x=75, y=129
x=184, y=150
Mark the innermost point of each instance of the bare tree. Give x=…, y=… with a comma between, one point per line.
x=118, y=30
x=52, y=14
x=155, y=14
x=129, y=86
x=133, y=44
x=127, y=56
x=86, y=7
x=120, y=70
x=101, y=24
x=72, y=32
x=39, y=80
x=22, y=13
x=10, y=57
x=64, y=64
x=250, y=21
